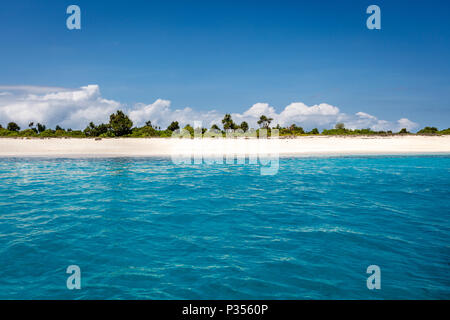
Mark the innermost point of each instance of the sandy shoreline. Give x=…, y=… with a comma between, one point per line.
x=301, y=146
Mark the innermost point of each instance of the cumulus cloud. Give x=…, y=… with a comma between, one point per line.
x=160, y=113
x=297, y=112
x=75, y=108
x=55, y=106
x=321, y=116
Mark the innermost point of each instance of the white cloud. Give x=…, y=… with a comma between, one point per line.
x=406, y=123
x=75, y=108
x=67, y=107
x=161, y=114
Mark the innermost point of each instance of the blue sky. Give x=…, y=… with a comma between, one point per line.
x=228, y=55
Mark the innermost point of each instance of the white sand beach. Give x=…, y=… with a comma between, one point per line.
x=300, y=146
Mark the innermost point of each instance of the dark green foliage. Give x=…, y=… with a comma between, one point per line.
x=95, y=131
x=428, y=130
x=12, y=126
x=228, y=123
x=173, y=126
x=215, y=127
x=120, y=124
x=146, y=131
x=264, y=122
x=314, y=131
x=40, y=128
x=244, y=126
x=403, y=131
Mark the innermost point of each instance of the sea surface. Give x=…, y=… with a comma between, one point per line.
x=143, y=228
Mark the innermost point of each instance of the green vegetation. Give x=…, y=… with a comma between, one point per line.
x=12, y=126
x=428, y=130
x=244, y=126
x=264, y=122
x=173, y=126
x=120, y=125
x=228, y=123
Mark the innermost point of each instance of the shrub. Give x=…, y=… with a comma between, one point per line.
x=28, y=133
x=428, y=130
x=12, y=126
x=4, y=132
x=49, y=133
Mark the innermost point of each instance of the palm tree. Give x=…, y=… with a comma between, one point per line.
x=228, y=122
x=264, y=122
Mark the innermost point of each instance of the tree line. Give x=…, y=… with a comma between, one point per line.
x=120, y=125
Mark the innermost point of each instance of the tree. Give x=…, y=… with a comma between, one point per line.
x=215, y=127
x=189, y=128
x=403, y=131
x=90, y=130
x=120, y=124
x=264, y=122
x=339, y=126
x=173, y=126
x=244, y=126
x=59, y=128
x=228, y=123
x=314, y=131
x=94, y=131
x=148, y=124
x=12, y=126
x=41, y=128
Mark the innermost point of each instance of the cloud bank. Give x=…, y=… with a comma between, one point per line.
x=75, y=108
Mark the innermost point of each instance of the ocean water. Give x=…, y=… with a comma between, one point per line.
x=149, y=229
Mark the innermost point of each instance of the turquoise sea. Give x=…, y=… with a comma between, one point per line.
x=143, y=228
